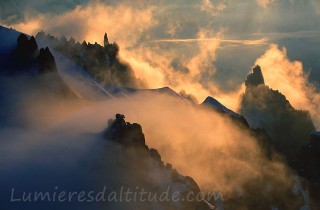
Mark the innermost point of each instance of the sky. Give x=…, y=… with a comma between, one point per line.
x=204, y=47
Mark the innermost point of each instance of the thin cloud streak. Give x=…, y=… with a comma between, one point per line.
x=263, y=41
x=294, y=34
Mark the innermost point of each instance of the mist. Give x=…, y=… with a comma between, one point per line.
x=69, y=151
x=289, y=77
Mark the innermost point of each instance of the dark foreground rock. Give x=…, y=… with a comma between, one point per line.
x=130, y=138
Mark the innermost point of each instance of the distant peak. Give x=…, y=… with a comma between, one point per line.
x=255, y=78
x=211, y=99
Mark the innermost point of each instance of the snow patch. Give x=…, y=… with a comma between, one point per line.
x=212, y=102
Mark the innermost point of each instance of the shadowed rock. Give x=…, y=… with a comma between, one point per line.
x=269, y=110
x=255, y=78
x=131, y=139
x=47, y=61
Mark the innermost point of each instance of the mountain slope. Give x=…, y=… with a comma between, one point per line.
x=215, y=105
x=102, y=62
x=269, y=109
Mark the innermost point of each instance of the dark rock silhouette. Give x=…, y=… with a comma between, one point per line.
x=47, y=61
x=102, y=62
x=24, y=56
x=315, y=144
x=38, y=65
x=310, y=156
x=255, y=78
x=286, y=130
x=26, y=45
x=218, y=107
x=106, y=40
x=125, y=133
x=27, y=58
x=269, y=110
x=309, y=167
x=131, y=138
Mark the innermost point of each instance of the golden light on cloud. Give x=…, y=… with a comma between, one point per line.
x=30, y=25
x=123, y=23
x=265, y=3
x=212, y=8
x=290, y=79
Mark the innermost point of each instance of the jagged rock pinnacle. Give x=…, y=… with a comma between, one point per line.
x=106, y=40
x=255, y=78
x=125, y=133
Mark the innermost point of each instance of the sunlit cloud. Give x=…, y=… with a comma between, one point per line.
x=289, y=78
x=265, y=3
x=90, y=22
x=153, y=36
x=213, y=8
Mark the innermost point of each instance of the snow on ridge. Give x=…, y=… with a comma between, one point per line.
x=75, y=77
x=79, y=80
x=220, y=107
x=8, y=39
x=123, y=91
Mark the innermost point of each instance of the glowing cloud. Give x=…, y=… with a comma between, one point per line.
x=290, y=79
x=265, y=3
x=212, y=8
x=123, y=23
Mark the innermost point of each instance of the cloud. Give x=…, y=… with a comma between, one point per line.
x=316, y=4
x=194, y=73
x=123, y=23
x=265, y=3
x=198, y=142
x=14, y=11
x=154, y=35
x=212, y=7
x=262, y=41
x=291, y=79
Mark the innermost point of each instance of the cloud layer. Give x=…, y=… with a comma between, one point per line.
x=203, y=47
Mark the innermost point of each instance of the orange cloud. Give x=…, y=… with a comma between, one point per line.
x=290, y=79
x=123, y=23
x=156, y=68
x=126, y=25
x=265, y=3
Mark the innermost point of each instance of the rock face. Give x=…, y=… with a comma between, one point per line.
x=28, y=58
x=315, y=144
x=46, y=61
x=268, y=109
x=220, y=108
x=310, y=157
x=309, y=166
x=259, y=134
x=131, y=139
x=102, y=62
x=38, y=66
x=255, y=78
x=125, y=133
x=287, y=130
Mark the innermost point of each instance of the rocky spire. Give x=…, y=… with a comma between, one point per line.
x=255, y=78
x=47, y=61
x=106, y=40
x=25, y=45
